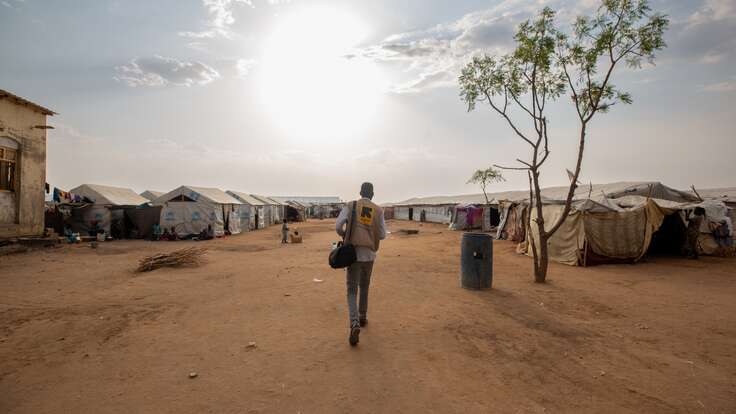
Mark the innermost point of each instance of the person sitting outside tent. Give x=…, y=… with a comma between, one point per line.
x=723, y=234
x=284, y=233
x=207, y=234
x=156, y=232
x=693, y=231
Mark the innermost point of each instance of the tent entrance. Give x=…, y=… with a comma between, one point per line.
x=495, y=216
x=411, y=213
x=670, y=239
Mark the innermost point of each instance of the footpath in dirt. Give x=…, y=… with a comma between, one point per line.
x=264, y=327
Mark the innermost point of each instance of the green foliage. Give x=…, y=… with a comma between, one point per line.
x=547, y=61
x=621, y=31
x=487, y=176
x=530, y=68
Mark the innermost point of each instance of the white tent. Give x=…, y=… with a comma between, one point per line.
x=106, y=209
x=109, y=196
x=251, y=211
x=189, y=210
x=269, y=210
x=151, y=195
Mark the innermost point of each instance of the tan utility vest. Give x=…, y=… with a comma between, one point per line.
x=367, y=225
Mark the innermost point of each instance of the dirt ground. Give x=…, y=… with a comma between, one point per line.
x=81, y=333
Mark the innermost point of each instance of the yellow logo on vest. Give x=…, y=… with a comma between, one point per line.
x=366, y=215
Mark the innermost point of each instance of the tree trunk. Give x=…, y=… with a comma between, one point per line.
x=540, y=268
x=540, y=271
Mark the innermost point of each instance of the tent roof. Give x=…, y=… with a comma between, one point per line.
x=18, y=100
x=726, y=194
x=151, y=194
x=103, y=194
x=263, y=199
x=275, y=202
x=246, y=198
x=214, y=195
x=309, y=199
x=611, y=190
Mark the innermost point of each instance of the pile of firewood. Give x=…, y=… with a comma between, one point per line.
x=192, y=256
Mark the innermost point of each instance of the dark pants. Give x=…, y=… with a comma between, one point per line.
x=358, y=277
x=692, y=245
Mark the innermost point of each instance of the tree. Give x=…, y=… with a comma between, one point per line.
x=484, y=177
x=548, y=63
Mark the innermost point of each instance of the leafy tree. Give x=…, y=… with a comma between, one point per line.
x=485, y=177
x=548, y=63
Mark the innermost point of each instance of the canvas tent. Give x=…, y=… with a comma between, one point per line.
x=620, y=226
x=112, y=210
x=269, y=210
x=251, y=212
x=151, y=195
x=108, y=195
x=188, y=210
x=279, y=209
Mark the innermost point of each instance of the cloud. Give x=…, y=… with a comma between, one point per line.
x=713, y=11
x=725, y=86
x=220, y=19
x=706, y=35
x=244, y=66
x=162, y=71
x=435, y=55
x=427, y=81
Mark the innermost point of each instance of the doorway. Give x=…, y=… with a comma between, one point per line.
x=411, y=214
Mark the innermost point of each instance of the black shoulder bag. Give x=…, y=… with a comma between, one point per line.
x=344, y=254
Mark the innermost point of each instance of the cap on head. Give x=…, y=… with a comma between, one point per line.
x=366, y=190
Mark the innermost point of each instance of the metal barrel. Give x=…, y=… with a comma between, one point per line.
x=476, y=261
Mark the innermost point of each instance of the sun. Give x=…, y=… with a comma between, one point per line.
x=311, y=82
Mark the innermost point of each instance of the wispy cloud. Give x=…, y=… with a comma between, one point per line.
x=435, y=55
x=725, y=86
x=162, y=71
x=220, y=19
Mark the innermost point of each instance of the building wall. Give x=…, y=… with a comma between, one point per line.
x=401, y=213
x=27, y=204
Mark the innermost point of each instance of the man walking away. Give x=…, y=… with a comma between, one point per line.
x=693, y=231
x=369, y=228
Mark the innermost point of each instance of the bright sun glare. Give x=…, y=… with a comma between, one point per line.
x=309, y=85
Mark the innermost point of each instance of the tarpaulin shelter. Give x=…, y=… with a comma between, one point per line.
x=112, y=210
x=622, y=226
x=189, y=210
x=251, y=212
x=269, y=210
x=466, y=217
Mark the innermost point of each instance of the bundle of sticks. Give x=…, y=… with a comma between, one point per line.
x=191, y=256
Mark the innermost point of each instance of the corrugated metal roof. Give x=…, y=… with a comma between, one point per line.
x=108, y=195
x=7, y=95
x=246, y=198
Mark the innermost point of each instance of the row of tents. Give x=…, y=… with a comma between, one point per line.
x=184, y=211
x=619, y=222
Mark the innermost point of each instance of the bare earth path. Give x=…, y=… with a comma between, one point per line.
x=80, y=333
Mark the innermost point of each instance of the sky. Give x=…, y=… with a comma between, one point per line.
x=301, y=97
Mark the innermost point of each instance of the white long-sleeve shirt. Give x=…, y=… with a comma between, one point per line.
x=364, y=254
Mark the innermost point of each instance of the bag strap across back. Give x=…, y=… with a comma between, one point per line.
x=349, y=230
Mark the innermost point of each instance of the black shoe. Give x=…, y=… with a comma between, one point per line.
x=363, y=322
x=354, y=335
